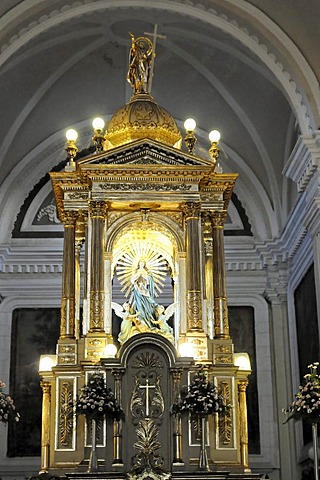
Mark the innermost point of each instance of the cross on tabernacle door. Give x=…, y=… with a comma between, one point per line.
x=147, y=387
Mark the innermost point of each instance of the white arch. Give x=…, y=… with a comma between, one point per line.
x=133, y=218
x=31, y=104
x=244, y=119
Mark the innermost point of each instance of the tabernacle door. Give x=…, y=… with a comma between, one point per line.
x=146, y=398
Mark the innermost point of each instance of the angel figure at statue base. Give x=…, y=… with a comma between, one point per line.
x=128, y=326
x=163, y=315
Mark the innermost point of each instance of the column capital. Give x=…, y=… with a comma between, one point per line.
x=98, y=208
x=46, y=386
x=242, y=385
x=191, y=210
x=217, y=218
x=176, y=372
x=69, y=218
x=118, y=373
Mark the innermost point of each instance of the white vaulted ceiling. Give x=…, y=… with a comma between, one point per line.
x=248, y=69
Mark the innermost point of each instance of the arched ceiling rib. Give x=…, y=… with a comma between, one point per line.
x=34, y=100
x=207, y=15
x=213, y=55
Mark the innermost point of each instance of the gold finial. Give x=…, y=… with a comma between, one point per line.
x=190, y=138
x=214, y=150
x=140, y=60
x=71, y=147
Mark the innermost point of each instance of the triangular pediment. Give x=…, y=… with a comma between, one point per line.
x=145, y=152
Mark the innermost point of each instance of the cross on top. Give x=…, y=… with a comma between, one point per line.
x=154, y=36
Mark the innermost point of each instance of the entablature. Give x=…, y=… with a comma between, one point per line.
x=132, y=185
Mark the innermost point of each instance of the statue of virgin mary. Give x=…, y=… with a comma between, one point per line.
x=142, y=296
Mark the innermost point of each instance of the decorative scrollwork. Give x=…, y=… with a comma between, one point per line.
x=66, y=414
x=194, y=310
x=147, y=398
x=147, y=460
x=159, y=187
x=147, y=360
x=96, y=308
x=225, y=421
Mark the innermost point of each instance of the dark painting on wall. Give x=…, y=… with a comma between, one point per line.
x=307, y=330
x=35, y=332
x=242, y=332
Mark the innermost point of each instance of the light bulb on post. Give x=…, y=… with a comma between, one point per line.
x=214, y=150
x=214, y=136
x=71, y=148
x=98, y=137
x=98, y=123
x=190, y=125
x=190, y=138
x=71, y=135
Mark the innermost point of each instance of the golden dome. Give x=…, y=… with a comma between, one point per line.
x=142, y=118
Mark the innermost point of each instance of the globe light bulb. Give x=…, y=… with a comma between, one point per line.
x=110, y=350
x=186, y=350
x=214, y=136
x=190, y=125
x=242, y=360
x=71, y=135
x=47, y=362
x=98, y=123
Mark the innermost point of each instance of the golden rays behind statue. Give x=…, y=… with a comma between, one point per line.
x=141, y=257
x=141, y=271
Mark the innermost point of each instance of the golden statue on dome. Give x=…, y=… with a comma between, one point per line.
x=140, y=60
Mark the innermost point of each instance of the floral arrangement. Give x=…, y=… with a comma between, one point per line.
x=202, y=397
x=96, y=400
x=7, y=408
x=306, y=404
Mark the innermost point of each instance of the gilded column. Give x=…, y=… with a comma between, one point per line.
x=67, y=326
x=221, y=321
x=86, y=278
x=108, y=294
x=80, y=237
x=242, y=387
x=193, y=270
x=177, y=431
x=97, y=211
x=117, y=424
x=45, y=431
x=208, y=272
